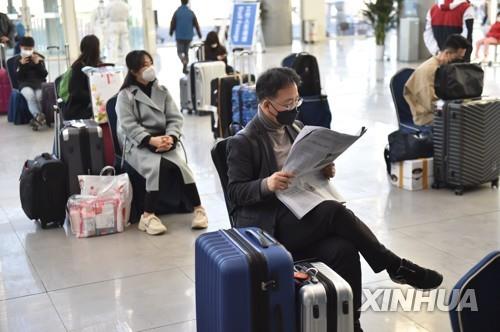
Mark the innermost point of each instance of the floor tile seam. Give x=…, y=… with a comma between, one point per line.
x=57, y=312
x=445, y=220
x=173, y=267
x=157, y=327
x=22, y=296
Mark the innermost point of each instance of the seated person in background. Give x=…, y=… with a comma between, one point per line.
x=214, y=51
x=419, y=90
x=30, y=74
x=79, y=104
x=149, y=127
x=492, y=38
x=330, y=232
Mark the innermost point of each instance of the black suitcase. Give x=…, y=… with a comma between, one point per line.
x=222, y=89
x=466, y=139
x=315, y=111
x=49, y=100
x=82, y=150
x=43, y=190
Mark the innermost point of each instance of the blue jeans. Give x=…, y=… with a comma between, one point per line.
x=34, y=99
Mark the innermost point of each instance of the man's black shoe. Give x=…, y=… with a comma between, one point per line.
x=416, y=276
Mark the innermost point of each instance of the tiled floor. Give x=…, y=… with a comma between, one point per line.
x=51, y=281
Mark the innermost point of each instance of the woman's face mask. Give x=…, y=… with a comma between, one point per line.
x=149, y=74
x=214, y=45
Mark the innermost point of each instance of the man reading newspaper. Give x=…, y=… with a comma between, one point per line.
x=329, y=231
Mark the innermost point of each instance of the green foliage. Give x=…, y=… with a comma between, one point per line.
x=381, y=14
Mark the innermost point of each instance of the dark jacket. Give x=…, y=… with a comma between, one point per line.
x=250, y=159
x=79, y=103
x=211, y=54
x=7, y=29
x=30, y=74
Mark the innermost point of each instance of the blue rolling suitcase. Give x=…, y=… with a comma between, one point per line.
x=244, y=106
x=19, y=113
x=482, y=282
x=315, y=111
x=244, y=283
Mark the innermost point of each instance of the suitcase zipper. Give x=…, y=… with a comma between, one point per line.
x=258, y=275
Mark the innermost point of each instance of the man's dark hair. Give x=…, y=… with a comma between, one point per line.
x=273, y=80
x=456, y=42
x=27, y=41
x=184, y=2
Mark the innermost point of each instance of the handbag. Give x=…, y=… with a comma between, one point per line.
x=103, y=206
x=409, y=146
x=459, y=81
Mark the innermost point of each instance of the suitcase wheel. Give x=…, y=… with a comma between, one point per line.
x=494, y=184
x=436, y=185
x=459, y=191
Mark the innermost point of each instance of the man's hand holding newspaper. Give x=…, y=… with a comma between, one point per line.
x=313, y=150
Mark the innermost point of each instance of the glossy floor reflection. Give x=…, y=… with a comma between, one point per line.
x=51, y=281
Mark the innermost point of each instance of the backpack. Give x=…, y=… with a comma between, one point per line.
x=64, y=85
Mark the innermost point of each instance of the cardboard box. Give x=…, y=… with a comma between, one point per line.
x=415, y=174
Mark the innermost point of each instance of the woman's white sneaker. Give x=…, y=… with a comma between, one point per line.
x=200, y=220
x=151, y=225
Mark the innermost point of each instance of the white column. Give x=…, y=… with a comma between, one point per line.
x=70, y=27
x=149, y=26
x=423, y=8
x=493, y=11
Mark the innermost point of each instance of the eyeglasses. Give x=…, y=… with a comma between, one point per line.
x=293, y=105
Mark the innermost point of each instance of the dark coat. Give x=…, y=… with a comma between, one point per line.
x=250, y=159
x=30, y=74
x=80, y=102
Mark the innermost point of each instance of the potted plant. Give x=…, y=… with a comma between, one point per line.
x=381, y=14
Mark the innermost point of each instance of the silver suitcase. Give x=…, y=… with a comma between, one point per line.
x=325, y=301
x=185, y=88
x=204, y=73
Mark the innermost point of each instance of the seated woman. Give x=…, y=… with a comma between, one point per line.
x=492, y=38
x=150, y=126
x=79, y=104
x=214, y=51
x=30, y=74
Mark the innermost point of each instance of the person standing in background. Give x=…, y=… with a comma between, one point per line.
x=7, y=30
x=445, y=18
x=117, y=13
x=183, y=22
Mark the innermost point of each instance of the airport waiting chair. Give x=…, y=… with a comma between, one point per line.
x=403, y=112
x=219, y=158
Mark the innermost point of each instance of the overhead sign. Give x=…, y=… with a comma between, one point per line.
x=243, y=24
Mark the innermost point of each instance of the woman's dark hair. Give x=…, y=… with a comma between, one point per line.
x=90, y=52
x=273, y=80
x=134, y=61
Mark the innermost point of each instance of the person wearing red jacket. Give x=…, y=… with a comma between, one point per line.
x=492, y=38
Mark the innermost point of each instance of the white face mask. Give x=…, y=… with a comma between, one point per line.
x=149, y=74
x=26, y=53
x=214, y=45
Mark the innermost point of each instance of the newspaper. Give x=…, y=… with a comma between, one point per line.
x=313, y=150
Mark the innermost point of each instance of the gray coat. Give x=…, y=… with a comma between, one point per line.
x=158, y=115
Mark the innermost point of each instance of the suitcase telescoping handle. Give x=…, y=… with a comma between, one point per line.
x=57, y=48
x=261, y=238
x=2, y=55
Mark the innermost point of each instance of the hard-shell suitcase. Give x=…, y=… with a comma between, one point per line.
x=82, y=150
x=474, y=302
x=185, y=89
x=324, y=300
x=43, y=190
x=49, y=99
x=202, y=74
x=315, y=111
x=466, y=143
x=222, y=91
x=244, y=104
x=244, y=282
x=5, y=86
